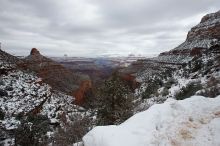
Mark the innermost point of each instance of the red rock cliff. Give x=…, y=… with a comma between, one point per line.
x=79, y=93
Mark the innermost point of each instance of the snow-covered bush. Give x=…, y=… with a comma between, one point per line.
x=164, y=92
x=152, y=87
x=187, y=91
x=169, y=83
x=212, y=88
x=32, y=131
x=211, y=92
x=196, y=64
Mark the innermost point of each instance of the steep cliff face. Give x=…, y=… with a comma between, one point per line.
x=207, y=29
x=203, y=35
x=199, y=39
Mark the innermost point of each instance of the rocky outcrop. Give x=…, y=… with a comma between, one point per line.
x=203, y=35
x=199, y=39
x=34, y=51
x=197, y=51
x=207, y=29
x=81, y=91
x=54, y=74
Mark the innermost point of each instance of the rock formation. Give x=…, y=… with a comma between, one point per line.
x=56, y=75
x=203, y=35
x=201, y=39
x=34, y=51
x=81, y=91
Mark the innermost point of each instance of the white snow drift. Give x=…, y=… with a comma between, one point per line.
x=193, y=121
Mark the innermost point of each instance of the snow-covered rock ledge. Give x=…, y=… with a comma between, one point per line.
x=193, y=121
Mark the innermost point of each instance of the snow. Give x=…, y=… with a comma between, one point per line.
x=180, y=81
x=26, y=92
x=7, y=142
x=204, y=43
x=193, y=121
x=78, y=144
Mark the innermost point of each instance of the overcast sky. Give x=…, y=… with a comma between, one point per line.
x=98, y=27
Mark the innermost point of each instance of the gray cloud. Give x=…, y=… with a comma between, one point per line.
x=88, y=28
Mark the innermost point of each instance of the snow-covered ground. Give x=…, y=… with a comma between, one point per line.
x=194, y=121
x=208, y=77
x=22, y=92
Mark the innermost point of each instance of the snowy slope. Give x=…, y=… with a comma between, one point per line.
x=23, y=93
x=193, y=121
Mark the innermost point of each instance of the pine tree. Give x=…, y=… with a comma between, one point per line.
x=115, y=103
